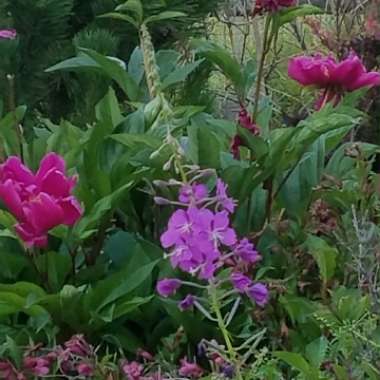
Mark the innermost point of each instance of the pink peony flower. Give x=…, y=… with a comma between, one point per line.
x=335, y=78
x=39, y=201
x=8, y=34
x=189, y=369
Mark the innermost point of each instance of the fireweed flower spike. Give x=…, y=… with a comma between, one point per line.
x=39, y=201
x=332, y=77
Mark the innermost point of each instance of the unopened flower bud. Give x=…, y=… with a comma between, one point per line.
x=161, y=201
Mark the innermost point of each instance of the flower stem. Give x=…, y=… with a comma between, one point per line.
x=267, y=39
x=223, y=328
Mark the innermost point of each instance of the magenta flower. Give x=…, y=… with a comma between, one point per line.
x=246, y=251
x=272, y=5
x=192, y=193
x=132, y=370
x=246, y=122
x=39, y=201
x=220, y=230
x=187, y=303
x=259, y=293
x=240, y=282
x=8, y=34
x=189, y=369
x=335, y=78
x=168, y=286
x=226, y=202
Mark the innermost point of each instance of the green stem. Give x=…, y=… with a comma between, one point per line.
x=223, y=329
x=260, y=74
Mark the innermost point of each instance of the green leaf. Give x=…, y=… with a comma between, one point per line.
x=164, y=16
x=8, y=132
x=134, y=6
x=131, y=140
x=180, y=74
x=288, y=15
x=324, y=255
x=116, y=286
x=316, y=351
x=84, y=228
x=208, y=148
x=229, y=66
x=121, y=17
x=90, y=59
x=372, y=372
x=256, y=144
x=340, y=372
x=296, y=361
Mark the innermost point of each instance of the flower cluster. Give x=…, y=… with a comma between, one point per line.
x=39, y=201
x=201, y=241
x=246, y=122
x=8, y=34
x=75, y=358
x=334, y=78
x=271, y=6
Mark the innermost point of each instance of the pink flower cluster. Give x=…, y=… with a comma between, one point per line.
x=201, y=241
x=75, y=357
x=334, y=78
x=8, y=34
x=39, y=201
x=271, y=6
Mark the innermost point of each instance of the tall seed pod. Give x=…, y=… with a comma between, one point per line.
x=151, y=69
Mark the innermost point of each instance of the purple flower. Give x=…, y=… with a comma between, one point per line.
x=168, y=286
x=192, y=193
x=240, y=282
x=259, y=293
x=219, y=230
x=187, y=303
x=224, y=200
x=246, y=251
x=8, y=34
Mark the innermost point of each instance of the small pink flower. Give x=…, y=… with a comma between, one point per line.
x=144, y=354
x=132, y=370
x=37, y=366
x=8, y=34
x=335, y=78
x=189, y=369
x=39, y=201
x=85, y=369
x=78, y=346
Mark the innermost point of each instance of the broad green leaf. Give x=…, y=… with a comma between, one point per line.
x=229, y=66
x=89, y=59
x=8, y=131
x=287, y=15
x=180, y=74
x=296, y=361
x=208, y=148
x=256, y=144
x=121, y=17
x=316, y=351
x=134, y=6
x=164, y=16
x=116, y=286
x=132, y=140
x=324, y=255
